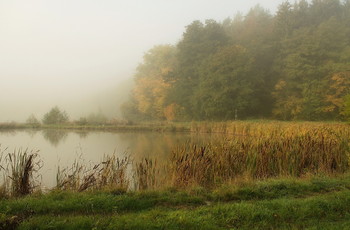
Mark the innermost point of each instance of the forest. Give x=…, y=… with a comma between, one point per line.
x=293, y=65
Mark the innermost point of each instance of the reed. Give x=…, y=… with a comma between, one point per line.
x=111, y=172
x=147, y=174
x=19, y=170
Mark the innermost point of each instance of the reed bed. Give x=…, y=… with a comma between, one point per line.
x=262, y=151
x=266, y=128
x=256, y=151
x=250, y=150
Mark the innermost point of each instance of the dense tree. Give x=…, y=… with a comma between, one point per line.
x=225, y=86
x=284, y=19
x=199, y=42
x=293, y=65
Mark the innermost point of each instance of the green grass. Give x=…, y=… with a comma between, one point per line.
x=282, y=213
x=316, y=203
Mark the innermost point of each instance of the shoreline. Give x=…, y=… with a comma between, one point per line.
x=184, y=127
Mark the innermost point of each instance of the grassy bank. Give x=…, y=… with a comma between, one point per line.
x=313, y=203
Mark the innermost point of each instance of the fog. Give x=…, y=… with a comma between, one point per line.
x=81, y=54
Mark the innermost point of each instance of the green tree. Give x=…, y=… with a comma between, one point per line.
x=301, y=14
x=55, y=116
x=322, y=10
x=226, y=85
x=284, y=19
x=199, y=42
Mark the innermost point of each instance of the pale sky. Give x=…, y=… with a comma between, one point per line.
x=68, y=52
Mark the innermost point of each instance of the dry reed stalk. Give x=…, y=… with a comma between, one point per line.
x=21, y=167
x=148, y=174
x=297, y=151
x=111, y=172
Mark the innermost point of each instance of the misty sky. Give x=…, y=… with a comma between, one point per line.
x=76, y=53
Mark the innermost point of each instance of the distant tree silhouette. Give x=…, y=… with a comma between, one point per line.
x=55, y=116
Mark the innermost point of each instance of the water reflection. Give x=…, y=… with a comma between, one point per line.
x=160, y=145
x=31, y=132
x=82, y=134
x=54, y=136
x=8, y=132
x=60, y=148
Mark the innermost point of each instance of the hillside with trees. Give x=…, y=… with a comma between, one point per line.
x=294, y=65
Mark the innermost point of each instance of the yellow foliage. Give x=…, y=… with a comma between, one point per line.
x=171, y=112
x=151, y=89
x=339, y=87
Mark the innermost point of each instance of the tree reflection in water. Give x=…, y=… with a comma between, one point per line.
x=82, y=134
x=54, y=136
x=31, y=132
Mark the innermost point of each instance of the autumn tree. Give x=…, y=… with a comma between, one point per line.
x=151, y=89
x=338, y=94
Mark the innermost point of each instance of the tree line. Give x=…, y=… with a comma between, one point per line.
x=294, y=65
x=56, y=116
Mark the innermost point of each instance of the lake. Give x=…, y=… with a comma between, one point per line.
x=62, y=147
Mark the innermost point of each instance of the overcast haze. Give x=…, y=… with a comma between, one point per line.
x=78, y=54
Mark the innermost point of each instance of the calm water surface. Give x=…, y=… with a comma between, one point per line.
x=61, y=148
